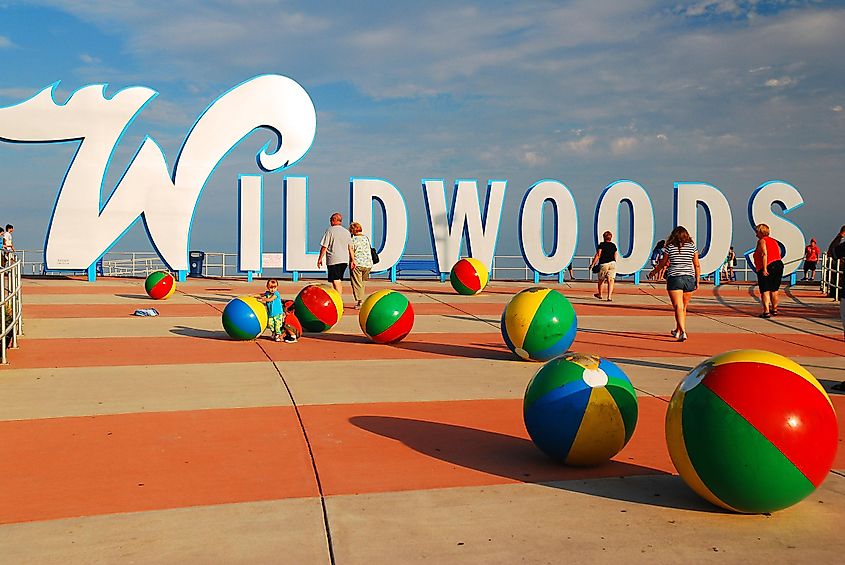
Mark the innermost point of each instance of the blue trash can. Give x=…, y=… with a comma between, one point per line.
x=197, y=258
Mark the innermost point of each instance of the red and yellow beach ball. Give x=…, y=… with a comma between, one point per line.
x=318, y=307
x=386, y=316
x=160, y=285
x=469, y=276
x=751, y=431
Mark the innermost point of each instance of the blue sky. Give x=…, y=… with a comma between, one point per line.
x=733, y=93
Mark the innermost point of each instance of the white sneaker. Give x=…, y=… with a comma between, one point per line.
x=682, y=336
x=674, y=333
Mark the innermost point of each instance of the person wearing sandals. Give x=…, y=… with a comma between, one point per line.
x=605, y=260
x=359, y=249
x=769, y=267
x=682, y=276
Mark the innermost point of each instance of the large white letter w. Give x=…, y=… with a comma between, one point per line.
x=82, y=228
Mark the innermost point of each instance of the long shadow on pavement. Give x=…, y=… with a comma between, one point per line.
x=473, y=351
x=517, y=459
x=196, y=332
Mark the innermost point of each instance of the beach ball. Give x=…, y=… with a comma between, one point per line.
x=469, y=276
x=386, y=316
x=580, y=409
x=160, y=285
x=539, y=324
x=244, y=318
x=751, y=431
x=318, y=307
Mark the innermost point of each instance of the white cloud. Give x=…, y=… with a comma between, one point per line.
x=89, y=59
x=837, y=108
x=532, y=158
x=780, y=82
x=581, y=146
x=624, y=145
x=5, y=42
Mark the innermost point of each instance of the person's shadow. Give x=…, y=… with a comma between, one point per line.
x=518, y=459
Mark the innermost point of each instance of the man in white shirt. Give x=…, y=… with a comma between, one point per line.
x=335, y=247
x=8, y=247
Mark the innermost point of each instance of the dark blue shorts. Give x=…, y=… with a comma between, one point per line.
x=681, y=282
x=336, y=272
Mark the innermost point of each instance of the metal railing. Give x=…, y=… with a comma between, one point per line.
x=225, y=265
x=832, y=276
x=11, y=321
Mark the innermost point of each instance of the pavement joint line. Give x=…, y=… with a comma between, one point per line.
x=412, y=289
x=741, y=329
x=324, y=509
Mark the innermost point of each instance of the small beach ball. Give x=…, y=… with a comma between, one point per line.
x=244, y=318
x=160, y=285
x=386, y=316
x=580, y=409
x=539, y=324
x=751, y=431
x=469, y=276
x=318, y=307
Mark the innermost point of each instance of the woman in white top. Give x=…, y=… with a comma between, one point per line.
x=362, y=262
x=681, y=276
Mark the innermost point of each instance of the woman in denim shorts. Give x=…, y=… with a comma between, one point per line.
x=681, y=276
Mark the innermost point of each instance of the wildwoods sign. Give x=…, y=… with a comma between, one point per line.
x=83, y=228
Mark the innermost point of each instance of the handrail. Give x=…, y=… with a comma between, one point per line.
x=832, y=276
x=11, y=320
x=217, y=264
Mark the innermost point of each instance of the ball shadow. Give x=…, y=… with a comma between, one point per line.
x=517, y=459
x=200, y=333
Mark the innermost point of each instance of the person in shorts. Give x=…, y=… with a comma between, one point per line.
x=769, y=267
x=605, y=260
x=811, y=259
x=682, y=276
x=335, y=249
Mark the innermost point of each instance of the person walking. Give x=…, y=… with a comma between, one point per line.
x=605, y=261
x=730, y=264
x=769, y=267
x=811, y=258
x=335, y=249
x=657, y=254
x=682, y=276
x=362, y=262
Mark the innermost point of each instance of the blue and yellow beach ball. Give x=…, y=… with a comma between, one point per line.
x=751, y=431
x=539, y=324
x=244, y=318
x=580, y=409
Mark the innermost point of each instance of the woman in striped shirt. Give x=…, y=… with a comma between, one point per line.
x=681, y=276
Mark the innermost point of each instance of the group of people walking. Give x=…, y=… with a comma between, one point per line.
x=677, y=261
x=343, y=248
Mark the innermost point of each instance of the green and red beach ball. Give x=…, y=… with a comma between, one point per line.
x=160, y=285
x=386, y=316
x=318, y=307
x=469, y=276
x=751, y=431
